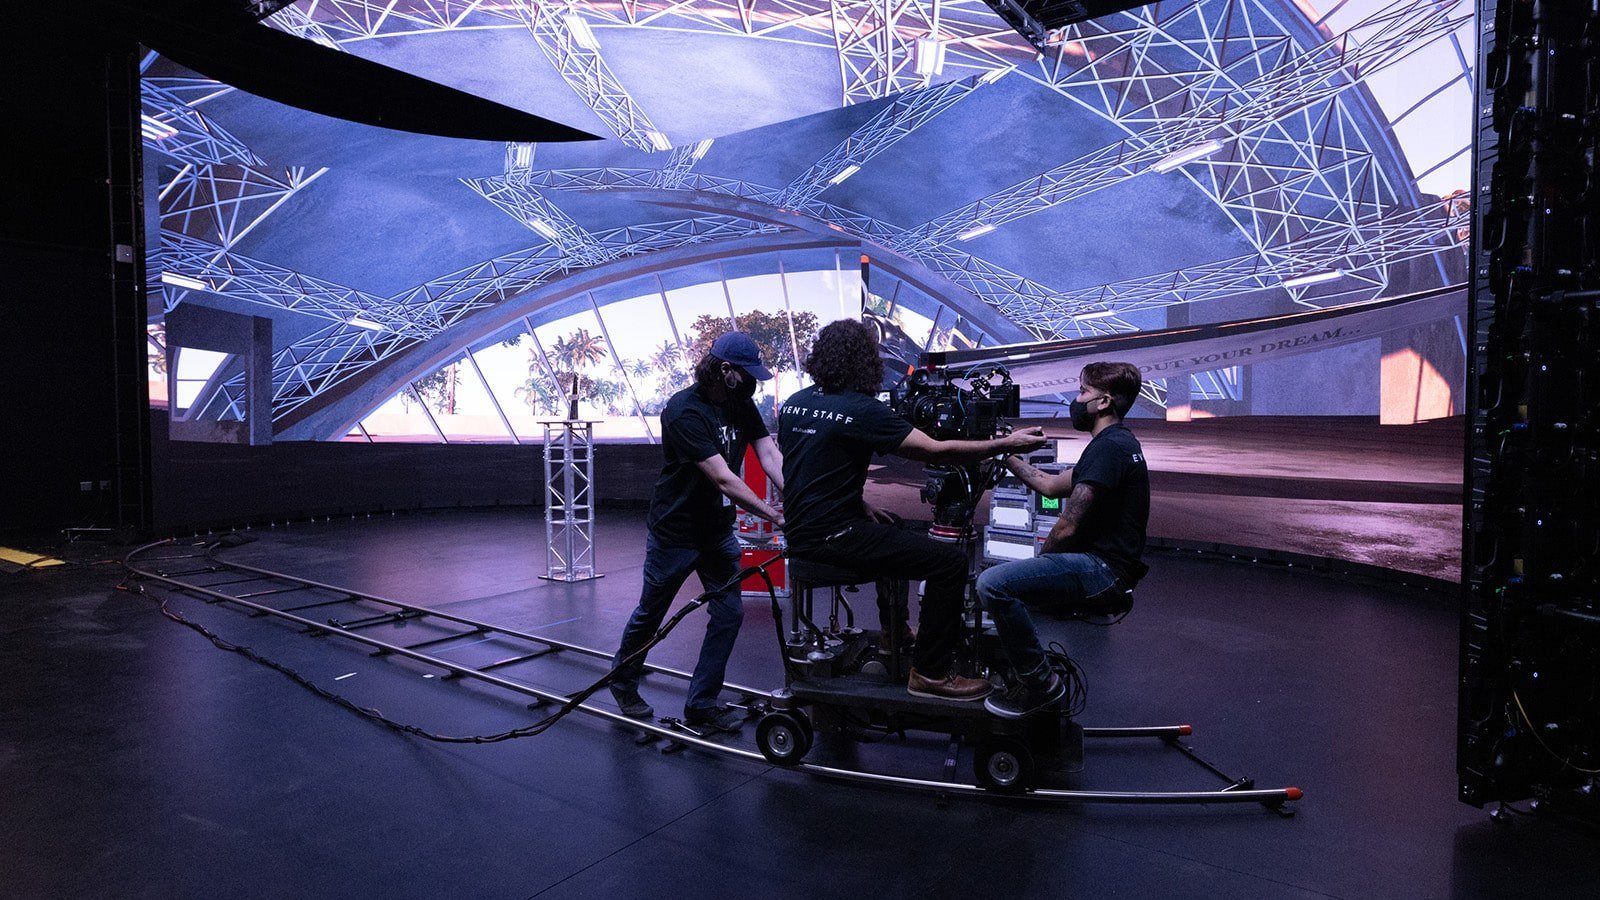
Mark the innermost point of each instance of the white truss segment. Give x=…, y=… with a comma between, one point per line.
x=1146, y=65
x=360, y=20
x=186, y=133
x=1363, y=254
x=223, y=203
x=1154, y=390
x=528, y=206
x=681, y=162
x=1314, y=170
x=295, y=20
x=1217, y=111
x=239, y=277
x=1219, y=384
x=905, y=114
x=622, y=179
x=753, y=18
x=308, y=367
x=875, y=40
x=1387, y=239
x=994, y=284
x=969, y=25
x=588, y=75
x=1375, y=43
x=193, y=92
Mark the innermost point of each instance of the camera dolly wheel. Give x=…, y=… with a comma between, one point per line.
x=1004, y=765
x=783, y=737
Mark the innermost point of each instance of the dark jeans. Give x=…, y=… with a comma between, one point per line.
x=885, y=551
x=1056, y=581
x=665, y=571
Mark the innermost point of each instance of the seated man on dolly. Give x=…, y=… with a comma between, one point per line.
x=828, y=433
x=1090, y=560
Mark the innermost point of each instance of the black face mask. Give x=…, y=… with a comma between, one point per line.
x=1082, y=419
x=743, y=389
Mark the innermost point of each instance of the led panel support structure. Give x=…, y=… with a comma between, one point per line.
x=569, y=500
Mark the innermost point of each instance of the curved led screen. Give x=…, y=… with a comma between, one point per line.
x=1157, y=170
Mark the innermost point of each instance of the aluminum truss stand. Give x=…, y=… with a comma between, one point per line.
x=569, y=500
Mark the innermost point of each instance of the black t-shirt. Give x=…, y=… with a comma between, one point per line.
x=827, y=441
x=688, y=510
x=1114, y=528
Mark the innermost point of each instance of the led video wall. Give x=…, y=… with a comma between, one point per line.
x=1166, y=171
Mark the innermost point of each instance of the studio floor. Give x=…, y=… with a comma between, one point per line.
x=138, y=760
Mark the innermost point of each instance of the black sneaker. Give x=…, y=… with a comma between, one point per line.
x=630, y=704
x=1022, y=699
x=716, y=718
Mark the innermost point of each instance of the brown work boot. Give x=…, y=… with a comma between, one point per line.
x=950, y=687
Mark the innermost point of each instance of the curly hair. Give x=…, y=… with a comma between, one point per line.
x=844, y=357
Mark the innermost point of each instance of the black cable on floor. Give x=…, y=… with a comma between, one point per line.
x=573, y=701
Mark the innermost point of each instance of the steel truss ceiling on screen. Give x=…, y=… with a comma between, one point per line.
x=1263, y=112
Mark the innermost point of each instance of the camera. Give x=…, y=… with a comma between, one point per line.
x=934, y=403
x=931, y=401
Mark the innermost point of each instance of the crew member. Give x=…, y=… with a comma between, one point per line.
x=1091, y=558
x=828, y=433
x=705, y=429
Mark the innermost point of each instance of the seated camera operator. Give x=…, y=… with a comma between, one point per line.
x=1091, y=556
x=828, y=433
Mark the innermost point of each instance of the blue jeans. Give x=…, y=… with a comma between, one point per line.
x=1055, y=581
x=665, y=571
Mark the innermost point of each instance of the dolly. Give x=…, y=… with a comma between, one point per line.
x=846, y=681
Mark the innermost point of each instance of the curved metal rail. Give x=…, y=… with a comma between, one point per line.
x=1239, y=791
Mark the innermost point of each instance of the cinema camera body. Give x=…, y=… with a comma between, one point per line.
x=931, y=399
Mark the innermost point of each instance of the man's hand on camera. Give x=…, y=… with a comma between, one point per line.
x=1024, y=440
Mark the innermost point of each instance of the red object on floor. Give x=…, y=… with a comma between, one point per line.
x=751, y=556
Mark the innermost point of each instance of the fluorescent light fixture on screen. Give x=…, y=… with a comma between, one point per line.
x=1313, y=278
x=546, y=229
x=184, y=281
x=155, y=129
x=1101, y=314
x=1199, y=151
x=364, y=323
x=976, y=231
x=929, y=56
x=657, y=139
x=700, y=149
x=844, y=173
x=582, y=34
